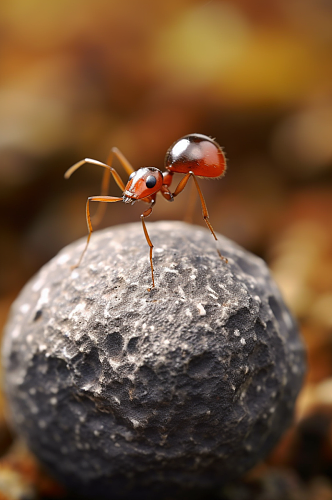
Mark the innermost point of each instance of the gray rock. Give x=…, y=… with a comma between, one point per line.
x=121, y=391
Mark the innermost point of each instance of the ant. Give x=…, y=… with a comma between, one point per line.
x=193, y=155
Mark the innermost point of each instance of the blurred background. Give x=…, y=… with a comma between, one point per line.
x=78, y=77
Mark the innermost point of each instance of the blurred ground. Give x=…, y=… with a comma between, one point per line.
x=79, y=77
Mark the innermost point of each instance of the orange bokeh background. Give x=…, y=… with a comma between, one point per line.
x=78, y=77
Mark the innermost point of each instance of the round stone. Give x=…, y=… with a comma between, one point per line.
x=121, y=391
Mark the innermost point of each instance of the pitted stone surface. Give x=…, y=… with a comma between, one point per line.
x=121, y=391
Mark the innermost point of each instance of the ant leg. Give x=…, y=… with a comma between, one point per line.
x=191, y=205
x=189, y=214
x=98, y=216
x=105, y=182
x=180, y=188
x=106, y=199
x=147, y=237
x=206, y=216
x=115, y=152
x=182, y=184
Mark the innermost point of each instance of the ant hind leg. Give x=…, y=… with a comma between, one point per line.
x=206, y=217
x=180, y=187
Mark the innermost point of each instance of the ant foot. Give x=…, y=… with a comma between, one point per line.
x=222, y=257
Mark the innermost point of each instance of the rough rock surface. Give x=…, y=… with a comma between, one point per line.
x=121, y=391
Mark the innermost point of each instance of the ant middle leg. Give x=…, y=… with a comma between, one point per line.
x=147, y=237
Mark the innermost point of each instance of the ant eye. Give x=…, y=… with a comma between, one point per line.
x=150, y=181
x=131, y=176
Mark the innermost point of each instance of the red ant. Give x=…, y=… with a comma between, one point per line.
x=192, y=155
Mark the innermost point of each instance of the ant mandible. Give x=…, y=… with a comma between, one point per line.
x=194, y=155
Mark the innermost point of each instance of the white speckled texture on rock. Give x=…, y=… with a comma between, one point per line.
x=121, y=391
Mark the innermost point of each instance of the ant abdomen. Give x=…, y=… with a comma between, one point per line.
x=196, y=153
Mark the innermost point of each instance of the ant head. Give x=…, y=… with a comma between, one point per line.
x=197, y=153
x=142, y=183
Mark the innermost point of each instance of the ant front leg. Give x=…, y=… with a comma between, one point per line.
x=115, y=152
x=180, y=187
x=106, y=177
x=147, y=237
x=106, y=199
